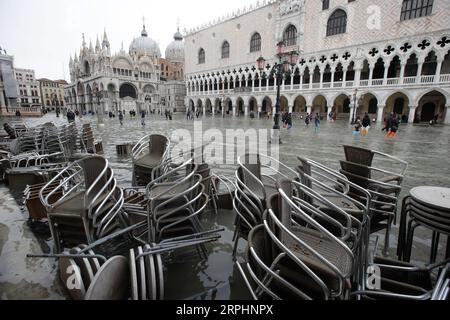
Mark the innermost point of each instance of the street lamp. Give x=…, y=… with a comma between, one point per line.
x=355, y=98
x=100, y=112
x=280, y=69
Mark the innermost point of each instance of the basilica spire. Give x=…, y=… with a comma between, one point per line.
x=97, y=46
x=105, y=39
x=144, y=32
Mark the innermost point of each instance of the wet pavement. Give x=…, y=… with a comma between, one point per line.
x=427, y=149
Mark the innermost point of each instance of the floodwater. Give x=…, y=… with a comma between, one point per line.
x=427, y=150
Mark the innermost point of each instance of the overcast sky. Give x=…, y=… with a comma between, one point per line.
x=42, y=34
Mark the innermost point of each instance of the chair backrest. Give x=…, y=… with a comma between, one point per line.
x=359, y=155
x=356, y=168
x=158, y=144
x=93, y=167
x=252, y=164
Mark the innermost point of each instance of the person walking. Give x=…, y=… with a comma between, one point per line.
x=317, y=123
x=143, y=118
x=307, y=120
x=121, y=118
x=289, y=121
x=393, y=127
x=365, y=125
x=70, y=116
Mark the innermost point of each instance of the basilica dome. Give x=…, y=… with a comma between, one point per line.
x=175, y=50
x=145, y=46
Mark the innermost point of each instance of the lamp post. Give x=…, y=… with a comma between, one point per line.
x=355, y=98
x=100, y=113
x=280, y=69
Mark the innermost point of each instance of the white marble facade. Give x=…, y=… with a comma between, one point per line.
x=396, y=64
x=122, y=81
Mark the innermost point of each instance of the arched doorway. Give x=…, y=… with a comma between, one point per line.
x=341, y=105
x=284, y=107
x=218, y=105
x=398, y=103
x=266, y=106
x=319, y=105
x=240, y=107
x=432, y=105
x=253, y=104
x=128, y=96
x=127, y=90
x=208, y=106
x=299, y=104
x=367, y=103
x=428, y=112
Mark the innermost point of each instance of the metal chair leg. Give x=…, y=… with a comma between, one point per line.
x=434, y=247
x=412, y=228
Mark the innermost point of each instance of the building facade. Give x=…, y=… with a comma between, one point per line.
x=378, y=55
x=123, y=81
x=52, y=93
x=173, y=88
x=28, y=88
x=8, y=84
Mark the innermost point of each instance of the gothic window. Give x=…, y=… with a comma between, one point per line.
x=290, y=36
x=325, y=4
x=255, y=43
x=225, y=50
x=337, y=23
x=201, y=56
x=412, y=9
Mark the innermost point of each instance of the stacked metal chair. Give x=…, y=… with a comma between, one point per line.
x=334, y=188
x=255, y=183
x=296, y=256
x=175, y=201
x=416, y=214
x=400, y=280
x=89, y=206
x=150, y=158
x=384, y=185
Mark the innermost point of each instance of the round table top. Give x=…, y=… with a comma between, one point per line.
x=435, y=197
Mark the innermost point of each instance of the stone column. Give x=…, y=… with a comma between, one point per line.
x=259, y=112
x=321, y=76
x=370, y=74
x=402, y=72
x=412, y=114
x=309, y=109
x=380, y=114
x=311, y=76
x=234, y=111
x=437, y=77
x=447, y=115
x=344, y=77
x=301, y=81
x=213, y=111
x=386, y=70
x=290, y=109
x=357, y=76
x=332, y=77
x=246, y=110
x=419, y=71
x=204, y=111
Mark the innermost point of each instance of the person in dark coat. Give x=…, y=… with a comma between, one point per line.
x=121, y=118
x=70, y=116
